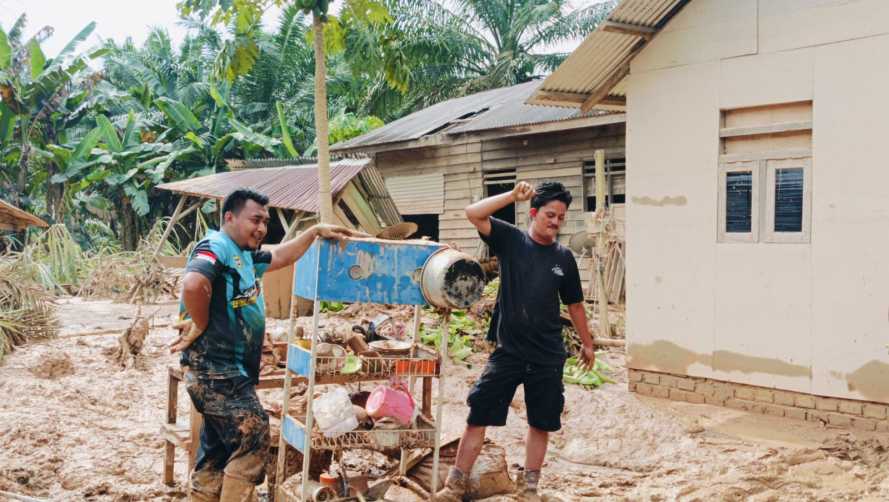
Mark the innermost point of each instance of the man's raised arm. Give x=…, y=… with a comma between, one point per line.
x=479, y=213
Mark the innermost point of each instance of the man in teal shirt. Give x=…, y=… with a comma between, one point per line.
x=221, y=349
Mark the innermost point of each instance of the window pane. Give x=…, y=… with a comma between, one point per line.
x=789, y=200
x=738, y=202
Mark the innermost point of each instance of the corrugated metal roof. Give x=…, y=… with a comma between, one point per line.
x=14, y=218
x=494, y=109
x=598, y=67
x=290, y=187
x=516, y=112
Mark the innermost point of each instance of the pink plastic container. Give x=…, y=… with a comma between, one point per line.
x=392, y=401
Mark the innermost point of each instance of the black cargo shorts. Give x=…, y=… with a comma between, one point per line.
x=491, y=395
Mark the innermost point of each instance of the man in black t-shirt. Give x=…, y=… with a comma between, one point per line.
x=536, y=272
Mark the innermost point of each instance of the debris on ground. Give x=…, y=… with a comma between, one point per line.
x=26, y=312
x=54, y=365
x=74, y=426
x=132, y=340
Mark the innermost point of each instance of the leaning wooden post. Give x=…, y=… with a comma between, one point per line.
x=134, y=290
x=601, y=246
x=173, y=220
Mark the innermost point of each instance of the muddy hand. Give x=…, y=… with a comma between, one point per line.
x=337, y=232
x=183, y=341
x=588, y=357
x=523, y=191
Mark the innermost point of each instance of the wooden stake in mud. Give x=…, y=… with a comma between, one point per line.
x=601, y=246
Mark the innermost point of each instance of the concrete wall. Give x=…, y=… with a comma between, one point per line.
x=811, y=317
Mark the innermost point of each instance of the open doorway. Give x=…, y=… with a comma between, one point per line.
x=427, y=225
x=496, y=183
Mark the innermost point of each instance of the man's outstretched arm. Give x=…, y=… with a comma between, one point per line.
x=293, y=250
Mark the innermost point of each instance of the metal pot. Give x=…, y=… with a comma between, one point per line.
x=452, y=279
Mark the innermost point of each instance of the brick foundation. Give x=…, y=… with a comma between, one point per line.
x=796, y=405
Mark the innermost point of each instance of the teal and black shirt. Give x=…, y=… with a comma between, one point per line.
x=231, y=346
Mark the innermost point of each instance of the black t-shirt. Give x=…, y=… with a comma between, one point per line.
x=533, y=277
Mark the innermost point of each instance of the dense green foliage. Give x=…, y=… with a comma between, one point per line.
x=87, y=133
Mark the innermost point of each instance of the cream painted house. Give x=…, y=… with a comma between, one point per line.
x=757, y=208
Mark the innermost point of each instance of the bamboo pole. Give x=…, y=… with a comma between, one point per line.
x=310, y=393
x=402, y=464
x=445, y=338
x=321, y=124
x=601, y=246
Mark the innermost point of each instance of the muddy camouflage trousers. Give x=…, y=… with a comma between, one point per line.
x=235, y=434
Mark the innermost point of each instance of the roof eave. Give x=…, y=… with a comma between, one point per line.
x=514, y=130
x=617, y=69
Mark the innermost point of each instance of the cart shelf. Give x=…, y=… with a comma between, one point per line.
x=328, y=370
x=422, y=436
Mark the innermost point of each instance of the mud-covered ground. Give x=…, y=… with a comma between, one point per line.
x=74, y=425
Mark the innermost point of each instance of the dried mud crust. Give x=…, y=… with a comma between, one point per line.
x=92, y=434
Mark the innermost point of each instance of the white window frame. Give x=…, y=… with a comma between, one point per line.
x=755, y=203
x=771, y=166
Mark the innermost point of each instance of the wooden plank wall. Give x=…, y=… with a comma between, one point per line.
x=536, y=158
x=461, y=165
x=554, y=157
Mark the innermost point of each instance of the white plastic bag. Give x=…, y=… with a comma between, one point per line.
x=333, y=412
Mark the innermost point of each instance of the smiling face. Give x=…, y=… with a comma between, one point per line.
x=547, y=220
x=248, y=226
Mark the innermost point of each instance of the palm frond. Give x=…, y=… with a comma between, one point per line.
x=575, y=25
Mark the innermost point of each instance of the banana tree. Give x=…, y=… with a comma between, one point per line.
x=121, y=165
x=40, y=101
x=112, y=171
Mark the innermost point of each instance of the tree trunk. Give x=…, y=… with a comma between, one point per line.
x=55, y=193
x=321, y=125
x=129, y=226
x=25, y=151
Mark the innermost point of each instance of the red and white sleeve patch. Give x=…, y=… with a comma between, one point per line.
x=206, y=255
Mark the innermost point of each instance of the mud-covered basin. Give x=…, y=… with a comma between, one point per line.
x=452, y=279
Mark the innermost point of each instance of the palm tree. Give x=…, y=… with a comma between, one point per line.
x=435, y=50
x=157, y=115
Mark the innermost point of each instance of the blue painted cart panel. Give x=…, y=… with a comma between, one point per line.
x=299, y=361
x=366, y=270
x=294, y=433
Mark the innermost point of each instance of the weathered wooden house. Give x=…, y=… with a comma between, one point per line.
x=440, y=159
x=757, y=219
